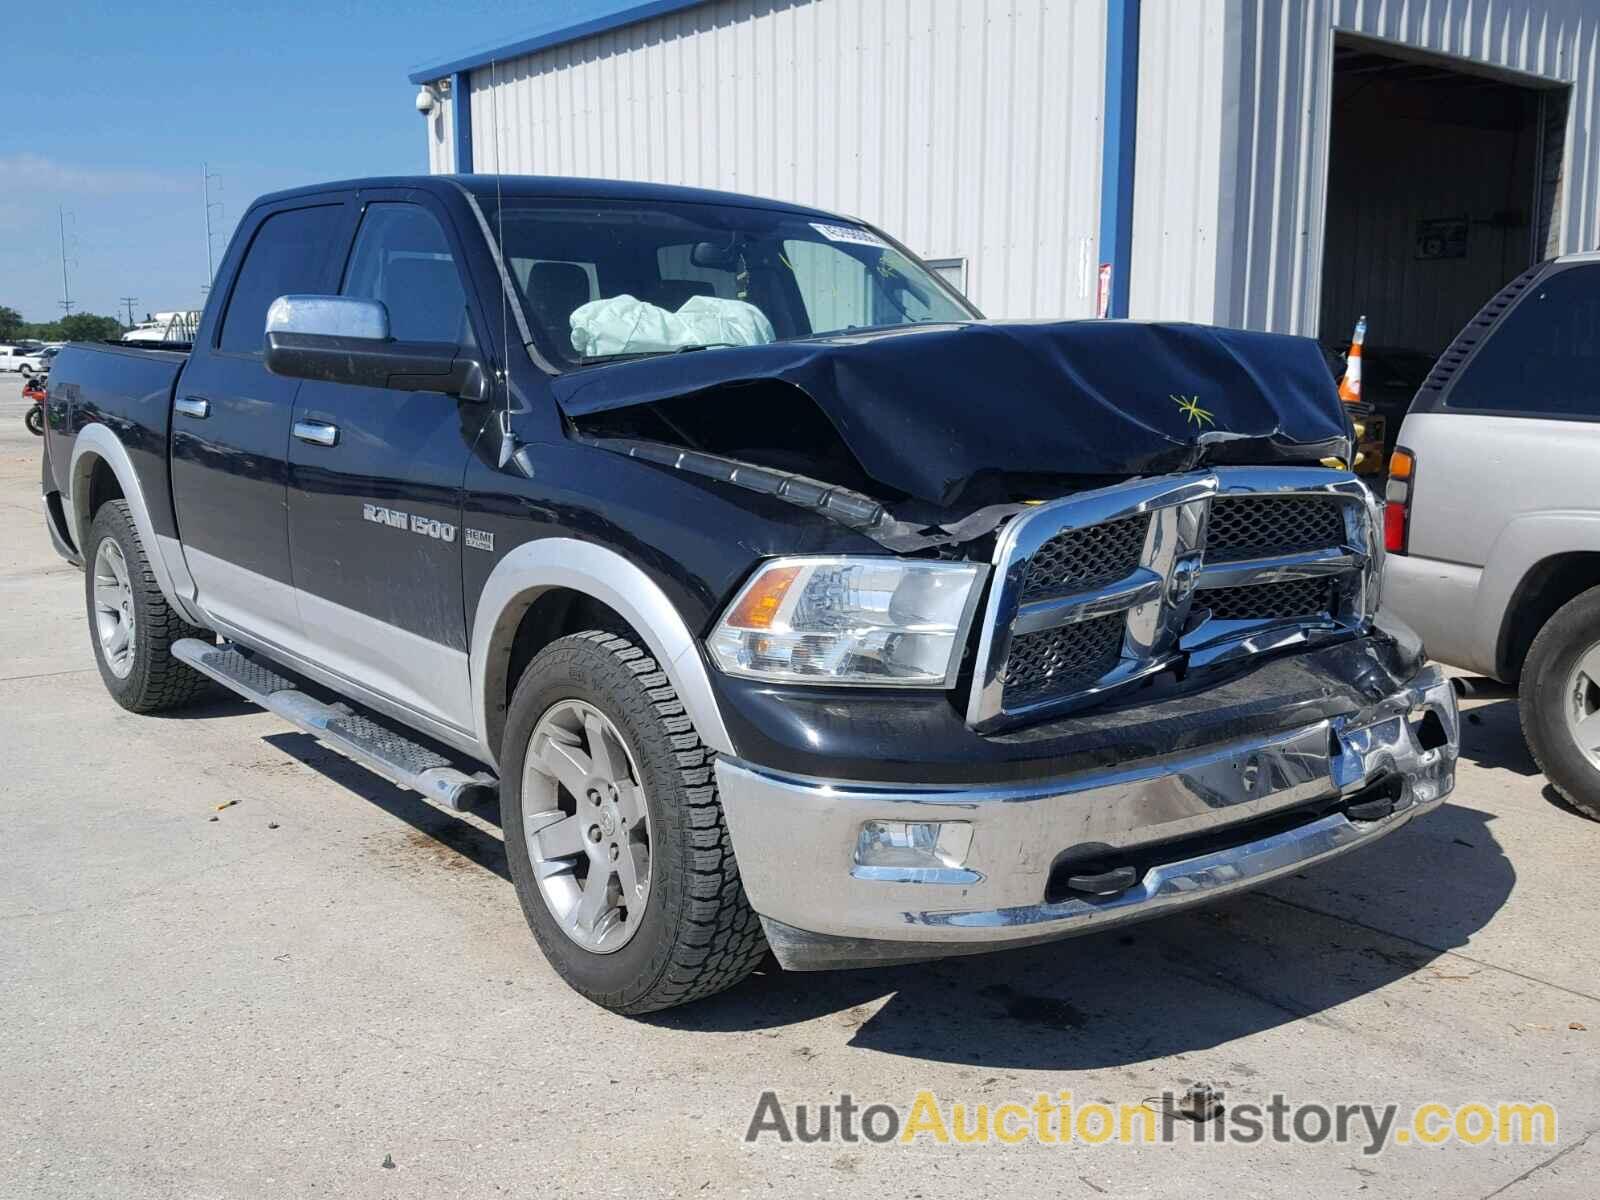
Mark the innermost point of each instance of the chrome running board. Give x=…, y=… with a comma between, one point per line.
x=380, y=748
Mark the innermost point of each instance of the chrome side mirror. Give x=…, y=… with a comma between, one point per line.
x=338, y=339
x=329, y=316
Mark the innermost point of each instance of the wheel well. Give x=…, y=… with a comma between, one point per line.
x=103, y=487
x=554, y=614
x=1545, y=588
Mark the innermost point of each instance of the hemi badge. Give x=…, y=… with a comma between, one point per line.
x=480, y=539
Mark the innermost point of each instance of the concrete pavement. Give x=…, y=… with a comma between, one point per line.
x=285, y=996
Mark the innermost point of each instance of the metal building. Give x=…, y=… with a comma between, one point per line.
x=1273, y=164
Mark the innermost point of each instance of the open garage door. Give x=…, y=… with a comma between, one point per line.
x=1442, y=184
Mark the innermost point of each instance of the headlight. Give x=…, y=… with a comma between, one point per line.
x=884, y=621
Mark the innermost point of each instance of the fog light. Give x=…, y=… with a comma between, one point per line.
x=914, y=852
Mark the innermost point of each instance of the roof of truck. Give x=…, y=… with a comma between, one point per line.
x=554, y=187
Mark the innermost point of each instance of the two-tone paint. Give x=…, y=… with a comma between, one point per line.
x=263, y=538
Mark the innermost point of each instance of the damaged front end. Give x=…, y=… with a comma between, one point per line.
x=1149, y=496
x=1165, y=680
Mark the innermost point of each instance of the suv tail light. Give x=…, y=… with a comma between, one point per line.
x=1397, y=500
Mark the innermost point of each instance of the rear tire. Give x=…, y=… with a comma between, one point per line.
x=692, y=933
x=1560, y=689
x=131, y=625
x=34, y=420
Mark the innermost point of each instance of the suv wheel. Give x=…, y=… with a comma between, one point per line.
x=1560, y=697
x=614, y=833
x=131, y=625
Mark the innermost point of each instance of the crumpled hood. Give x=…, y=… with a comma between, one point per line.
x=927, y=408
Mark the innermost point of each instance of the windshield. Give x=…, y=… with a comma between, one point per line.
x=605, y=280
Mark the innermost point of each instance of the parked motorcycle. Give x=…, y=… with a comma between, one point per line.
x=34, y=390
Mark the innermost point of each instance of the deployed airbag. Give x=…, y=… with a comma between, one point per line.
x=625, y=325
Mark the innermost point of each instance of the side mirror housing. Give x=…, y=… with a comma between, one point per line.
x=339, y=339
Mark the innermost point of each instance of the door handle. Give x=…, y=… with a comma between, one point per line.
x=193, y=406
x=318, y=433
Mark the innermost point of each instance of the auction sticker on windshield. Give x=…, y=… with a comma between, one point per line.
x=847, y=233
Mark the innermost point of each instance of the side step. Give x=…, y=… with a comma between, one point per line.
x=385, y=751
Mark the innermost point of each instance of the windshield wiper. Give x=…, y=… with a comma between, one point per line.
x=595, y=360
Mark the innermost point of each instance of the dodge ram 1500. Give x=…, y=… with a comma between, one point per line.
x=783, y=600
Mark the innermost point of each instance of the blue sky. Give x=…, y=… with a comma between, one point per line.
x=117, y=106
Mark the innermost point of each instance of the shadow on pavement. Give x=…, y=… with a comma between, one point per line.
x=217, y=704
x=1491, y=736
x=1295, y=951
x=472, y=843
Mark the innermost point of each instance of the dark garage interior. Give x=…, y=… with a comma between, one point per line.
x=1441, y=188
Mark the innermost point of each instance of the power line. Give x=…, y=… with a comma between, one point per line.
x=129, y=301
x=206, y=176
x=66, y=290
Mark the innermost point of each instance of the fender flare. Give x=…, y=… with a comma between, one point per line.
x=96, y=441
x=1526, y=541
x=536, y=567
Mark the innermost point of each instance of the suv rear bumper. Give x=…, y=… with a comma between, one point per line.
x=1194, y=827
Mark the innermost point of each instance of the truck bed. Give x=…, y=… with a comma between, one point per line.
x=127, y=388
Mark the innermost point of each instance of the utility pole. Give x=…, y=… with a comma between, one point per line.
x=66, y=291
x=129, y=301
x=206, y=176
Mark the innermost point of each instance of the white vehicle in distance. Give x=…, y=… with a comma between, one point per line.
x=36, y=361
x=18, y=357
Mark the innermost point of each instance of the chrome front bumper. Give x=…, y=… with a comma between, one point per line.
x=796, y=838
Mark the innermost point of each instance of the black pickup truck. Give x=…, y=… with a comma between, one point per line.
x=784, y=600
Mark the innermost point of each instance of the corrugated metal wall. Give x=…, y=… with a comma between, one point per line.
x=966, y=128
x=1178, y=159
x=1249, y=252
x=441, y=138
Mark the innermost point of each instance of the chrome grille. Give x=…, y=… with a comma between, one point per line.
x=1086, y=558
x=1269, y=601
x=1095, y=591
x=1258, y=526
x=1071, y=656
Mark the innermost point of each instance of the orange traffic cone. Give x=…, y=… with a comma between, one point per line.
x=1350, y=385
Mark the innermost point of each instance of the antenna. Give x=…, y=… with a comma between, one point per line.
x=206, y=176
x=66, y=290
x=508, y=444
x=130, y=301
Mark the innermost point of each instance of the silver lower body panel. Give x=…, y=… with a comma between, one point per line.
x=796, y=838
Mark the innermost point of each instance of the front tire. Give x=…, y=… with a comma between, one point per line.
x=131, y=625
x=614, y=832
x=34, y=420
x=1560, y=701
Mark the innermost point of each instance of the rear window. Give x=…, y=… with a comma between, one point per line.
x=292, y=252
x=1544, y=359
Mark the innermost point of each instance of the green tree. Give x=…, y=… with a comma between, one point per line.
x=89, y=327
x=10, y=324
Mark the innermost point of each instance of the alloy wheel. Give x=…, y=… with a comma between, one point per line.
x=113, y=608
x=587, y=826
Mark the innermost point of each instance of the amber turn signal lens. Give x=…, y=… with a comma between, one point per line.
x=1400, y=464
x=758, y=606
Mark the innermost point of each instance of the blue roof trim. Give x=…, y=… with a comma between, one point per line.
x=608, y=16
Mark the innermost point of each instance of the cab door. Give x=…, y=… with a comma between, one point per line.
x=375, y=484
x=230, y=422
